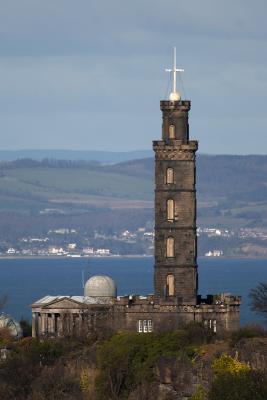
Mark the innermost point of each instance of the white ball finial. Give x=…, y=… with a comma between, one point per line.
x=174, y=96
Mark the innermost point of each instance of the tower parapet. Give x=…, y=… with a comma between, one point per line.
x=175, y=120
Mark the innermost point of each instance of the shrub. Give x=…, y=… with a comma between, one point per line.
x=24, y=364
x=32, y=350
x=199, y=394
x=197, y=334
x=5, y=337
x=228, y=364
x=235, y=380
x=248, y=385
x=248, y=331
x=56, y=382
x=128, y=359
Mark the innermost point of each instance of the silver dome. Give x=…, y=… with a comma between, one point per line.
x=11, y=324
x=100, y=286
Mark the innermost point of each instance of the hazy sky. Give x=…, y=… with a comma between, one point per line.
x=89, y=74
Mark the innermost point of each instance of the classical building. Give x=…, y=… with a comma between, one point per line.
x=176, y=300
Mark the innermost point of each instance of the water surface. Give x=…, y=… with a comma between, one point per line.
x=26, y=280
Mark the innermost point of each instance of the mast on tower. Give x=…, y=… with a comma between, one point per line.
x=174, y=95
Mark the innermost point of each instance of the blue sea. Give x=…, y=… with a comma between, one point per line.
x=26, y=280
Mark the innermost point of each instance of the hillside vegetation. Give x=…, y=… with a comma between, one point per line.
x=39, y=196
x=190, y=364
x=231, y=189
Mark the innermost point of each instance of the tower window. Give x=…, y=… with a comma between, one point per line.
x=171, y=132
x=170, y=247
x=170, y=210
x=211, y=324
x=170, y=285
x=169, y=176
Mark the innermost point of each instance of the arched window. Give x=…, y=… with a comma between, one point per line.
x=171, y=132
x=170, y=210
x=169, y=176
x=170, y=247
x=170, y=285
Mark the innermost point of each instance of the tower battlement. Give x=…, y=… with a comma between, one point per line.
x=183, y=105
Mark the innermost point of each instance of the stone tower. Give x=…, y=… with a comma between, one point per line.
x=174, y=303
x=175, y=204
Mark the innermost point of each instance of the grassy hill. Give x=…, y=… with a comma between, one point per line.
x=39, y=196
x=41, y=185
x=225, y=184
x=232, y=190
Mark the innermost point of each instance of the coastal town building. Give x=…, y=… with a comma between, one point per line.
x=214, y=253
x=175, y=301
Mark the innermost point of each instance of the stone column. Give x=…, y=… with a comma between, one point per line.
x=59, y=325
x=34, y=325
x=53, y=323
x=44, y=323
x=71, y=317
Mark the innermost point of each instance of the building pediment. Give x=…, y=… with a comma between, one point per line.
x=64, y=303
x=60, y=302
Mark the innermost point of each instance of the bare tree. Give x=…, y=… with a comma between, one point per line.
x=258, y=296
x=3, y=301
x=4, y=331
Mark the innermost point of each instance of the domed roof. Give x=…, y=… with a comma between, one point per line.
x=11, y=324
x=100, y=286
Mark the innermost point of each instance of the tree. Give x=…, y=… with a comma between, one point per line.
x=3, y=301
x=4, y=331
x=258, y=297
x=26, y=327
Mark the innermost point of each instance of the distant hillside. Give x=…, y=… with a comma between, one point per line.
x=100, y=201
x=239, y=178
x=142, y=168
x=87, y=155
x=232, y=190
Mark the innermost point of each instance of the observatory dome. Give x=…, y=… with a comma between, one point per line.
x=100, y=286
x=11, y=324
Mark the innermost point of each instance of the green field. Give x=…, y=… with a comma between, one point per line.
x=41, y=185
x=231, y=190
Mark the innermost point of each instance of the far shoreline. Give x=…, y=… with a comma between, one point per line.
x=126, y=256
x=74, y=258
